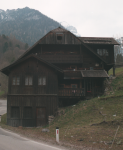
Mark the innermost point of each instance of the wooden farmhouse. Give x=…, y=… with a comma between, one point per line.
x=59, y=70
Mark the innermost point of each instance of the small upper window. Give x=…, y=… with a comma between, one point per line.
x=28, y=80
x=102, y=52
x=59, y=36
x=16, y=80
x=42, y=81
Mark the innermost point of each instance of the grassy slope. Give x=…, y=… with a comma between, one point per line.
x=118, y=71
x=76, y=122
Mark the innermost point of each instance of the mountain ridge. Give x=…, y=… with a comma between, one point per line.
x=19, y=22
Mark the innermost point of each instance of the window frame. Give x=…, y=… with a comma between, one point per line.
x=16, y=80
x=28, y=81
x=41, y=82
x=103, y=52
x=59, y=36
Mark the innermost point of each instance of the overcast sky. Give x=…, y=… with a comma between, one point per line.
x=90, y=17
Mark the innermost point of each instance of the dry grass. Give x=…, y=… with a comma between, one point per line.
x=118, y=71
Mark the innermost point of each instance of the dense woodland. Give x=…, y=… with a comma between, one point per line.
x=10, y=50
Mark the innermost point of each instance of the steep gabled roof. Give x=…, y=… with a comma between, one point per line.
x=77, y=40
x=59, y=30
x=6, y=70
x=99, y=40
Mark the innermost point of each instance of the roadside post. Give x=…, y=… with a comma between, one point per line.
x=57, y=134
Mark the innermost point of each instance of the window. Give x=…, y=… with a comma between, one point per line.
x=15, y=112
x=59, y=36
x=42, y=80
x=16, y=80
x=91, y=68
x=74, y=85
x=102, y=52
x=28, y=80
x=27, y=112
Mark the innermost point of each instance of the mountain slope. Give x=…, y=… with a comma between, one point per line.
x=27, y=25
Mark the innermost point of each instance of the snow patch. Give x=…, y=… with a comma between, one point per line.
x=2, y=16
x=1, y=10
x=36, y=17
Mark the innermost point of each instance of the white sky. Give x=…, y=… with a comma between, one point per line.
x=90, y=17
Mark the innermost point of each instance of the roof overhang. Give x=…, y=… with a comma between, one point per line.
x=7, y=69
x=80, y=74
x=94, y=74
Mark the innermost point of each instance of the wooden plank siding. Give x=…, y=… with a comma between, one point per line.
x=49, y=102
x=72, y=67
x=67, y=38
x=35, y=69
x=32, y=95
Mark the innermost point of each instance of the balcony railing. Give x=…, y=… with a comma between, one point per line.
x=72, y=92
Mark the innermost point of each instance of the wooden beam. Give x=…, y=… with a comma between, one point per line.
x=113, y=70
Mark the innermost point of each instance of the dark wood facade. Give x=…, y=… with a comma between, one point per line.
x=60, y=67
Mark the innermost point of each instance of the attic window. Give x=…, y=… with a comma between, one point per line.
x=59, y=36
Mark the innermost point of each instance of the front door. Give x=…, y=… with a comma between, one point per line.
x=41, y=116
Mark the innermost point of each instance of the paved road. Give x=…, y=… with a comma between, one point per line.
x=12, y=141
x=3, y=107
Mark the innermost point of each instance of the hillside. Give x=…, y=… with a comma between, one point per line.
x=27, y=25
x=95, y=123
x=10, y=50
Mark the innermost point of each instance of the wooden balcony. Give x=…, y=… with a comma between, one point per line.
x=62, y=58
x=71, y=92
